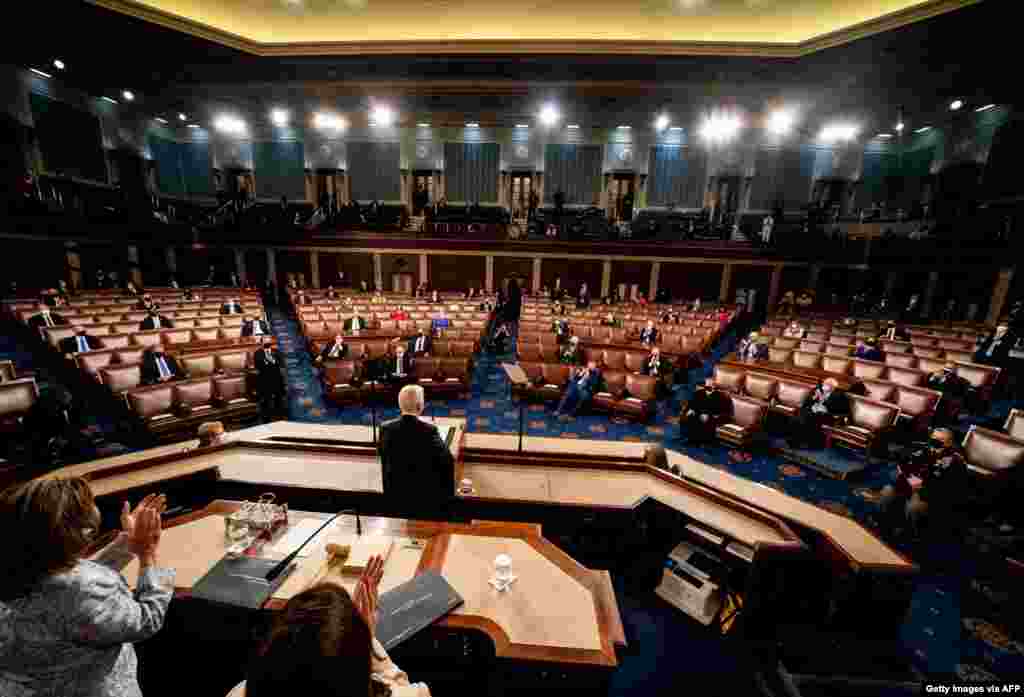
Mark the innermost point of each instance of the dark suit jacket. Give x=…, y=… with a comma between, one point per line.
x=36, y=320
x=837, y=403
x=247, y=327
x=583, y=300
x=147, y=324
x=428, y=344
x=592, y=382
x=952, y=386
x=70, y=344
x=648, y=335
x=761, y=352
x=350, y=322
x=1001, y=353
x=326, y=351
x=868, y=354
x=710, y=402
x=150, y=372
x=231, y=309
x=269, y=374
x=418, y=469
x=662, y=367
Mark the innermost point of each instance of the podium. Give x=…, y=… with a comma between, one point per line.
x=516, y=376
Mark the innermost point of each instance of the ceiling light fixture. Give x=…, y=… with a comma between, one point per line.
x=884, y=135
x=472, y=124
x=522, y=125
x=159, y=119
x=900, y=126
x=193, y=125
x=986, y=107
x=661, y=123
x=923, y=129
x=676, y=128
x=279, y=117
x=423, y=125
x=109, y=99
x=382, y=115
x=780, y=122
x=231, y=125
x=626, y=128
x=573, y=126
x=549, y=115
x=128, y=95
x=329, y=121
x=838, y=132
x=720, y=128
x=58, y=64
x=40, y=73
x=956, y=105
x=182, y=117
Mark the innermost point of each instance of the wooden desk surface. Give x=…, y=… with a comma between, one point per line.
x=556, y=611
x=790, y=371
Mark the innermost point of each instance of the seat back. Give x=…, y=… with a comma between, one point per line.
x=895, y=346
x=635, y=361
x=208, y=322
x=880, y=391
x=120, y=378
x=233, y=361
x=871, y=414
x=1015, y=424
x=929, y=365
x=916, y=401
x=94, y=360
x=615, y=359
x=979, y=376
x=812, y=346
x=425, y=368
x=643, y=387
x=804, y=359
x=955, y=344
x=780, y=355
x=231, y=321
x=868, y=370
x=442, y=349
x=148, y=402
x=901, y=360
x=115, y=341
x=150, y=338
x=792, y=394
x=17, y=396
x=835, y=364
x=556, y=373
x=729, y=379
x=461, y=349
x=747, y=412
x=177, y=336
x=130, y=354
x=194, y=392
x=455, y=368
x=206, y=334
x=199, y=366
x=926, y=351
x=614, y=382
x=126, y=327
x=376, y=349
x=785, y=343
x=534, y=370
x=594, y=354
x=992, y=451
x=838, y=350
x=959, y=356
x=531, y=352
x=339, y=372
x=760, y=386
x=906, y=376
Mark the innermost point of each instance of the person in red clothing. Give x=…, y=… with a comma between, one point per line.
x=723, y=318
x=399, y=314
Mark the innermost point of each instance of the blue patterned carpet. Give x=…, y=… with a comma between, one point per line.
x=940, y=633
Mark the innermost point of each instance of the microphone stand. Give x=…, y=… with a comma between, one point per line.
x=279, y=568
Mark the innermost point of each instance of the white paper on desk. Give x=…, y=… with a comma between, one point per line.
x=297, y=533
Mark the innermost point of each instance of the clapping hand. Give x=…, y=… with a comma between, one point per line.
x=129, y=517
x=365, y=598
x=142, y=527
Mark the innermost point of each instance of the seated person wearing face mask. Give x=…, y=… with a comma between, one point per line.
x=954, y=392
x=582, y=385
x=336, y=350
x=866, y=350
x=649, y=335
x=159, y=367
x=658, y=367
x=822, y=406
x=79, y=343
x=931, y=481
x=703, y=414
x=752, y=348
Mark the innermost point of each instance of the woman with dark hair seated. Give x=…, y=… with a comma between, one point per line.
x=67, y=623
x=322, y=644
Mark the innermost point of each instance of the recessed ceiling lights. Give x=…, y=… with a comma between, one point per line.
x=780, y=121
x=549, y=115
x=472, y=124
x=885, y=135
x=182, y=117
x=625, y=128
x=128, y=95
x=923, y=129
x=661, y=123
x=522, y=125
x=40, y=73
x=382, y=115
x=423, y=125
x=900, y=126
x=160, y=119
x=109, y=99
x=231, y=125
x=329, y=121
x=58, y=64
x=573, y=126
x=279, y=117
x=986, y=107
x=838, y=132
x=676, y=128
x=193, y=125
x=721, y=127
x=956, y=105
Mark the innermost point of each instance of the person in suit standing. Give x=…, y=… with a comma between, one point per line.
x=355, y=323
x=155, y=321
x=753, y=348
x=234, y=280
x=418, y=469
x=421, y=345
x=159, y=367
x=231, y=307
x=81, y=342
x=336, y=350
x=821, y=407
x=649, y=334
x=583, y=297
x=254, y=327
x=331, y=294
x=703, y=413
x=45, y=318
x=582, y=385
x=269, y=380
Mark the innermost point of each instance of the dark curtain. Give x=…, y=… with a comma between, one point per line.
x=766, y=187
x=667, y=178
x=170, y=178
x=575, y=170
x=280, y=168
x=375, y=170
x=471, y=171
x=69, y=139
x=796, y=167
x=198, y=175
x=878, y=168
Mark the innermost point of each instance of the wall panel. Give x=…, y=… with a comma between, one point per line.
x=449, y=272
x=630, y=272
x=505, y=267
x=689, y=281
x=573, y=272
x=400, y=263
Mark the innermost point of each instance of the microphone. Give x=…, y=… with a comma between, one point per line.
x=279, y=568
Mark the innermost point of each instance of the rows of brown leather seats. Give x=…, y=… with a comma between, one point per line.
x=137, y=337
x=627, y=395
x=344, y=381
x=120, y=377
x=176, y=409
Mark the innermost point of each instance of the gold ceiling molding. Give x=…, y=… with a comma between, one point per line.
x=894, y=20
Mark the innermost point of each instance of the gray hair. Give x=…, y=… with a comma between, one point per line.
x=411, y=400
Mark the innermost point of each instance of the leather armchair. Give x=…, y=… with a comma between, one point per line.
x=1014, y=426
x=866, y=426
x=641, y=402
x=613, y=389
x=729, y=379
x=746, y=422
x=340, y=382
x=760, y=388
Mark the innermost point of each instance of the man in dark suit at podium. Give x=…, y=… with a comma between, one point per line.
x=418, y=469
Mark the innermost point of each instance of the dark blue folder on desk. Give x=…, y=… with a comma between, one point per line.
x=413, y=606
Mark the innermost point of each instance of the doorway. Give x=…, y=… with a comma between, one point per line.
x=521, y=186
x=621, y=190
x=422, y=190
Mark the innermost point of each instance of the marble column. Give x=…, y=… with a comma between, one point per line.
x=272, y=265
x=489, y=273
x=424, y=270
x=240, y=266
x=74, y=263
x=773, y=286
x=606, y=278
x=723, y=289
x=378, y=272
x=536, y=274
x=929, y=294
x=655, y=273
x=999, y=293
x=314, y=269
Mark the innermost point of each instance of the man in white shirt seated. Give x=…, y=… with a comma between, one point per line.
x=81, y=342
x=254, y=327
x=336, y=350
